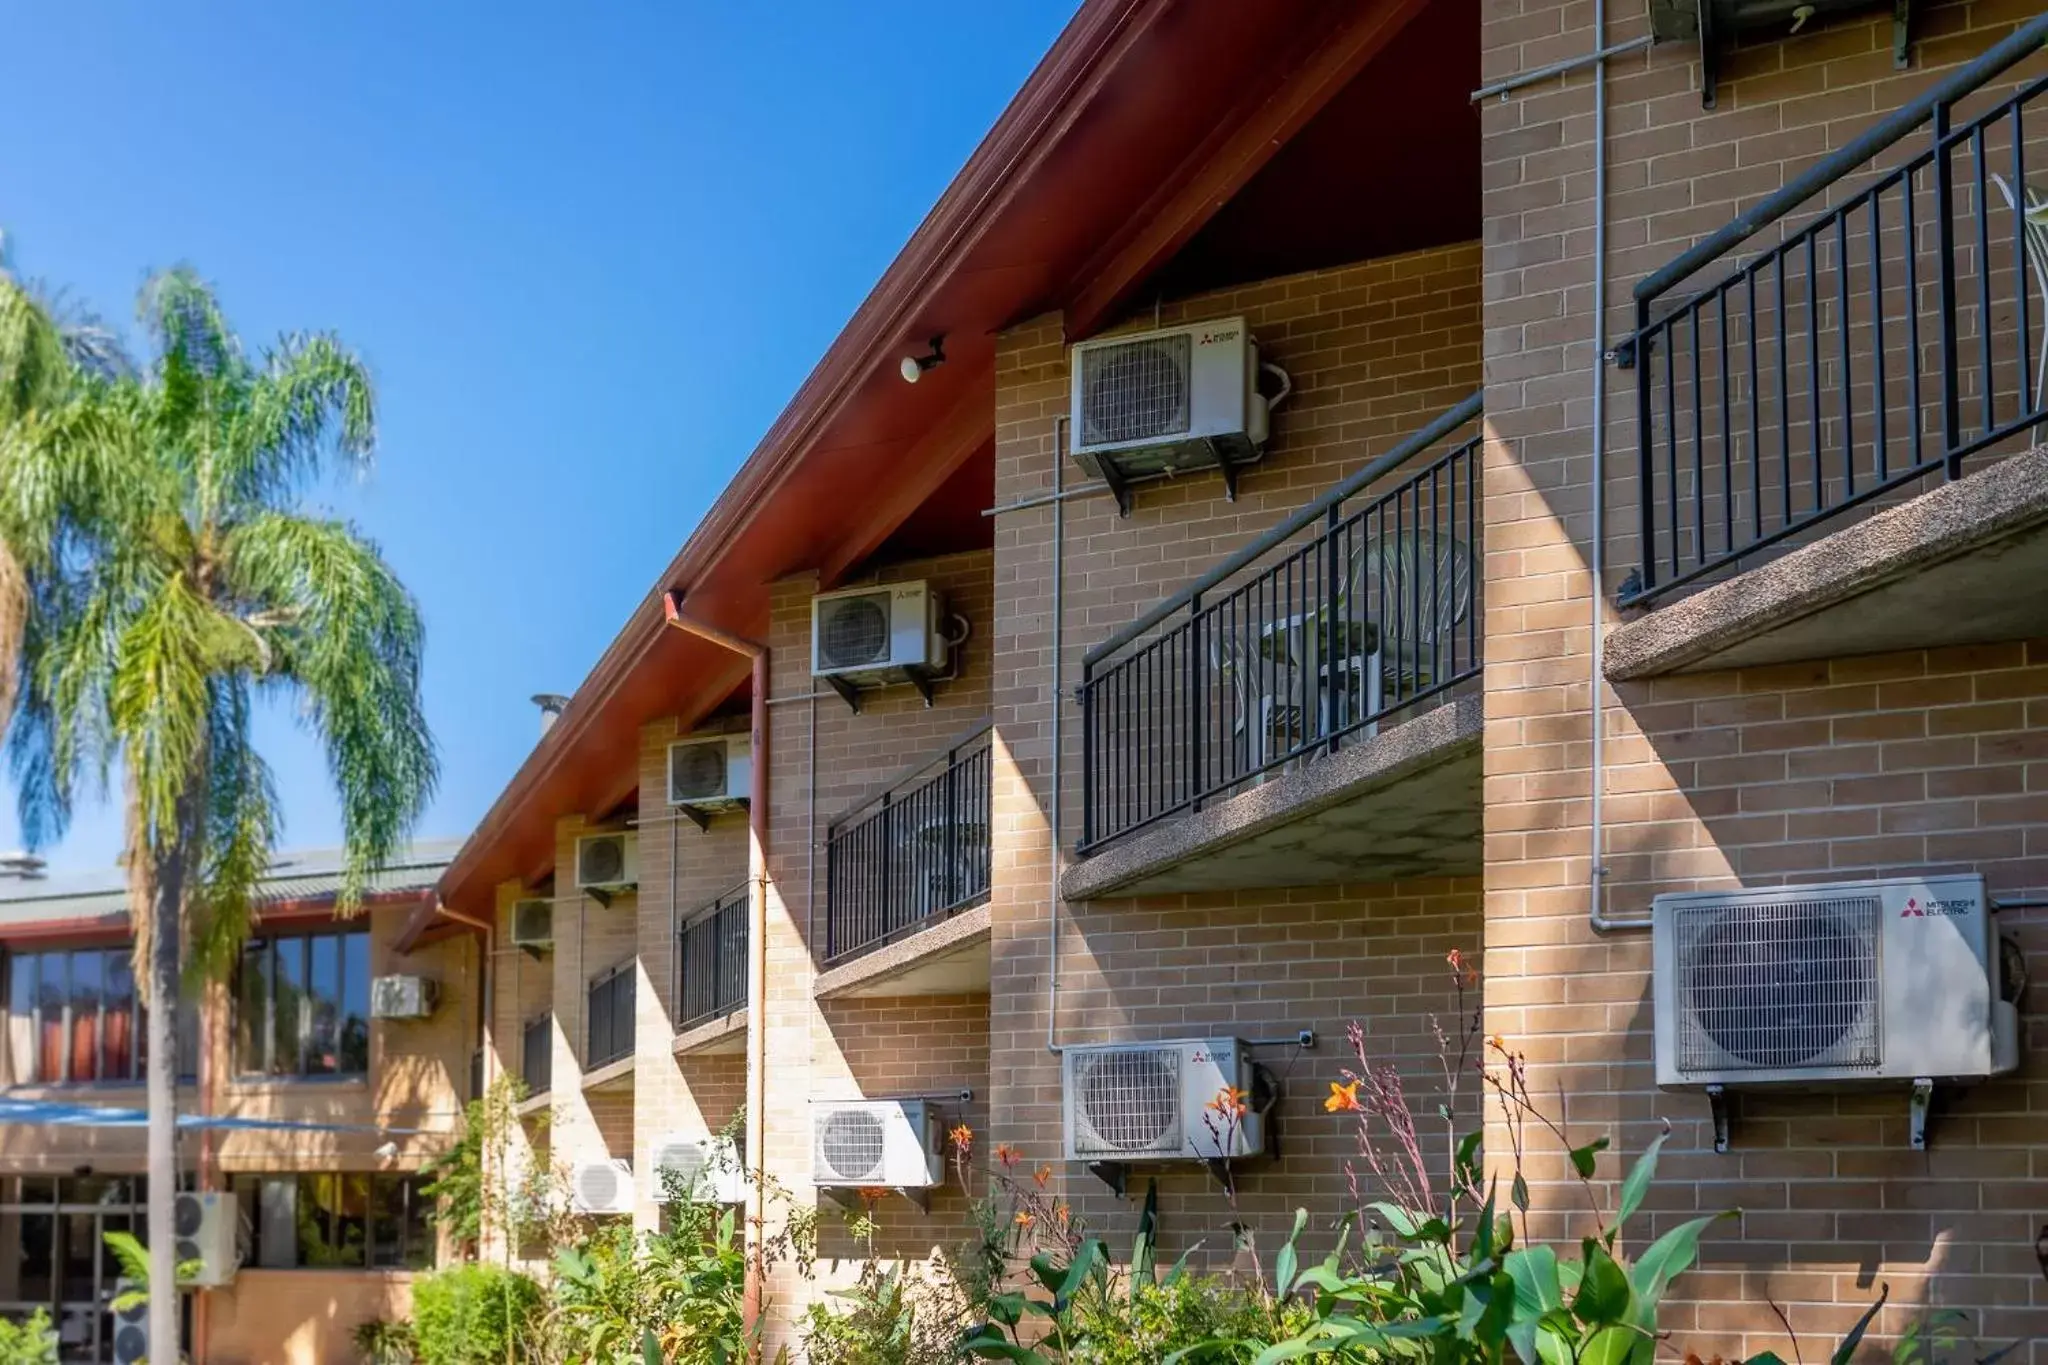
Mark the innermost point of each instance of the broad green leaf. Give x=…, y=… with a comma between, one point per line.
x=996, y=1348
x=1637, y=1183
x=1404, y=1223
x=1534, y=1271
x=1583, y=1158
x=1465, y=1166
x=1604, y=1291
x=1764, y=1358
x=1519, y=1194
x=1671, y=1256
x=1614, y=1345
x=1847, y=1350
x=1007, y=1309
x=1092, y=1256
x=1143, y=1248
x=1285, y=1264
x=1050, y=1273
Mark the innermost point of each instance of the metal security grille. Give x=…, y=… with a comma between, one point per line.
x=711, y=960
x=611, y=1017
x=913, y=856
x=1779, y=986
x=1130, y=1102
x=854, y=631
x=537, y=1054
x=1135, y=392
x=850, y=1144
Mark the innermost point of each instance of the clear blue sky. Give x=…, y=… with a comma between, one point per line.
x=589, y=252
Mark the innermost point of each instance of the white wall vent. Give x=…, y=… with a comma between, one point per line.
x=1880, y=981
x=885, y=1143
x=607, y=862
x=1152, y=1101
x=711, y=1168
x=602, y=1186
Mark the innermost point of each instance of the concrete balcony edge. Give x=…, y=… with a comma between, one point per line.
x=949, y=957
x=1373, y=764
x=613, y=1073
x=727, y=1033
x=1767, y=614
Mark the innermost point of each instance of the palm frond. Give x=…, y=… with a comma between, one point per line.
x=242, y=827
x=312, y=401
x=157, y=699
x=34, y=368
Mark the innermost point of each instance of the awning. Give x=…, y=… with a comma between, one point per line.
x=101, y=1116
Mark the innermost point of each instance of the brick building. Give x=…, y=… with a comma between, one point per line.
x=1646, y=507
x=329, y=1224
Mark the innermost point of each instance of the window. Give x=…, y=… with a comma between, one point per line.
x=303, y=1005
x=75, y=1017
x=338, y=1220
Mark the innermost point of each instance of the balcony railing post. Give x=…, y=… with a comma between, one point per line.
x=1945, y=251
x=1198, y=699
x=1331, y=657
x=1646, y=446
x=951, y=871
x=1088, y=797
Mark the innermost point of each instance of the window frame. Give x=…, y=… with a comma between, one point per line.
x=414, y=1207
x=271, y=944
x=33, y=1012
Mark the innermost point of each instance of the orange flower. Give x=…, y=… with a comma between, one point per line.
x=1024, y=1220
x=1343, y=1099
x=1041, y=1175
x=1456, y=959
x=1498, y=1044
x=1060, y=1213
x=1006, y=1154
x=874, y=1194
x=963, y=1139
x=1229, y=1102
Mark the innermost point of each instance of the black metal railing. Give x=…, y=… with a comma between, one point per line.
x=537, y=1054
x=1318, y=630
x=609, y=1021
x=711, y=960
x=913, y=855
x=1896, y=333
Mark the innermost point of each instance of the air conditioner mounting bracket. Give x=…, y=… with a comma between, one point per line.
x=1114, y=1174
x=1717, y=1104
x=600, y=895
x=922, y=679
x=700, y=818
x=848, y=693
x=1916, y=1112
x=848, y=1198
x=531, y=951
x=1119, y=488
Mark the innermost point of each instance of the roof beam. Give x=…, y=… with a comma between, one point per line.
x=1240, y=145
x=921, y=472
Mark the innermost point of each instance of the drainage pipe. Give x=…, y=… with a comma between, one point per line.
x=757, y=945
x=1052, y=851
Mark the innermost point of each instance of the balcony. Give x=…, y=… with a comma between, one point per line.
x=907, y=881
x=1833, y=408
x=711, y=975
x=608, y=1026
x=537, y=1055
x=1289, y=719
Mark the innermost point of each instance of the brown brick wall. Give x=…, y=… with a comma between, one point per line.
x=1849, y=767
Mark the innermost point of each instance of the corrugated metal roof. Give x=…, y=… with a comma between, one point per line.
x=295, y=876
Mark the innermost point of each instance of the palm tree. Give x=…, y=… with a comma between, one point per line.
x=181, y=580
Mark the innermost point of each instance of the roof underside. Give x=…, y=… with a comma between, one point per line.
x=1162, y=148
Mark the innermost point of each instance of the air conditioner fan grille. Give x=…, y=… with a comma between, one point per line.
x=604, y=861
x=1130, y=1102
x=533, y=921
x=696, y=770
x=850, y=1143
x=854, y=632
x=1136, y=391
x=1776, y=986
x=598, y=1185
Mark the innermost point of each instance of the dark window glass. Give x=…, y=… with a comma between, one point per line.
x=38, y=1280
x=288, y=1007
x=73, y=1017
x=355, y=1003
x=50, y=1002
x=21, y=1018
x=252, y=1010
x=302, y=1006
x=117, y=1027
x=84, y=1032
x=323, y=997
x=403, y=1236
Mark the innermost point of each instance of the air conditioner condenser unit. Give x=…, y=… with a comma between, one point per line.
x=607, y=862
x=711, y=1168
x=600, y=1187
x=712, y=772
x=870, y=637
x=533, y=924
x=1157, y=1101
x=892, y=1144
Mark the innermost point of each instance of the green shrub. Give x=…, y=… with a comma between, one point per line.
x=28, y=1343
x=385, y=1343
x=475, y=1315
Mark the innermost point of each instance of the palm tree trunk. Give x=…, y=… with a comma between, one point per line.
x=13, y=623
x=157, y=881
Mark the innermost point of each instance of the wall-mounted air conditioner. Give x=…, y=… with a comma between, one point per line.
x=131, y=1323
x=710, y=772
x=1180, y=398
x=709, y=1167
x=892, y=1144
x=206, y=1228
x=872, y=636
x=1154, y=1101
x=601, y=1186
x=533, y=924
x=1892, y=980
x=403, y=997
x=607, y=862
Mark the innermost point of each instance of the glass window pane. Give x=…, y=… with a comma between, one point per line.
x=252, y=1009
x=85, y=1014
x=287, y=1003
x=323, y=992
x=21, y=1005
x=355, y=1004
x=117, y=1029
x=50, y=993
x=38, y=1257
x=277, y=1233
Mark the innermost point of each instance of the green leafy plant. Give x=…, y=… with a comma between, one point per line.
x=31, y=1341
x=133, y=1259
x=890, y=1315
x=385, y=1343
x=477, y=1315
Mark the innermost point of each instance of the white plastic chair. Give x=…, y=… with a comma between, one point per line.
x=2035, y=237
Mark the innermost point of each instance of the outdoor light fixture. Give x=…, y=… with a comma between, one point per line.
x=914, y=366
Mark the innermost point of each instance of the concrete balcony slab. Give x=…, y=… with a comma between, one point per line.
x=1963, y=563
x=1403, y=803
x=949, y=957
x=727, y=1033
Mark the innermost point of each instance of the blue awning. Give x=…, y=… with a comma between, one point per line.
x=102, y=1116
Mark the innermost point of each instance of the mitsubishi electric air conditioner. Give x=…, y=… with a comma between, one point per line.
x=602, y=1186
x=205, y=1228
x=1181, y=398
x=883, y=634
x=533, y=924
x=709, y=1167
x=403, y=997
x=1891, y=981
x=607, y=862
x=1157, y=1101
x=710, y=772
x=890, y=1143
x=131, y=1323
